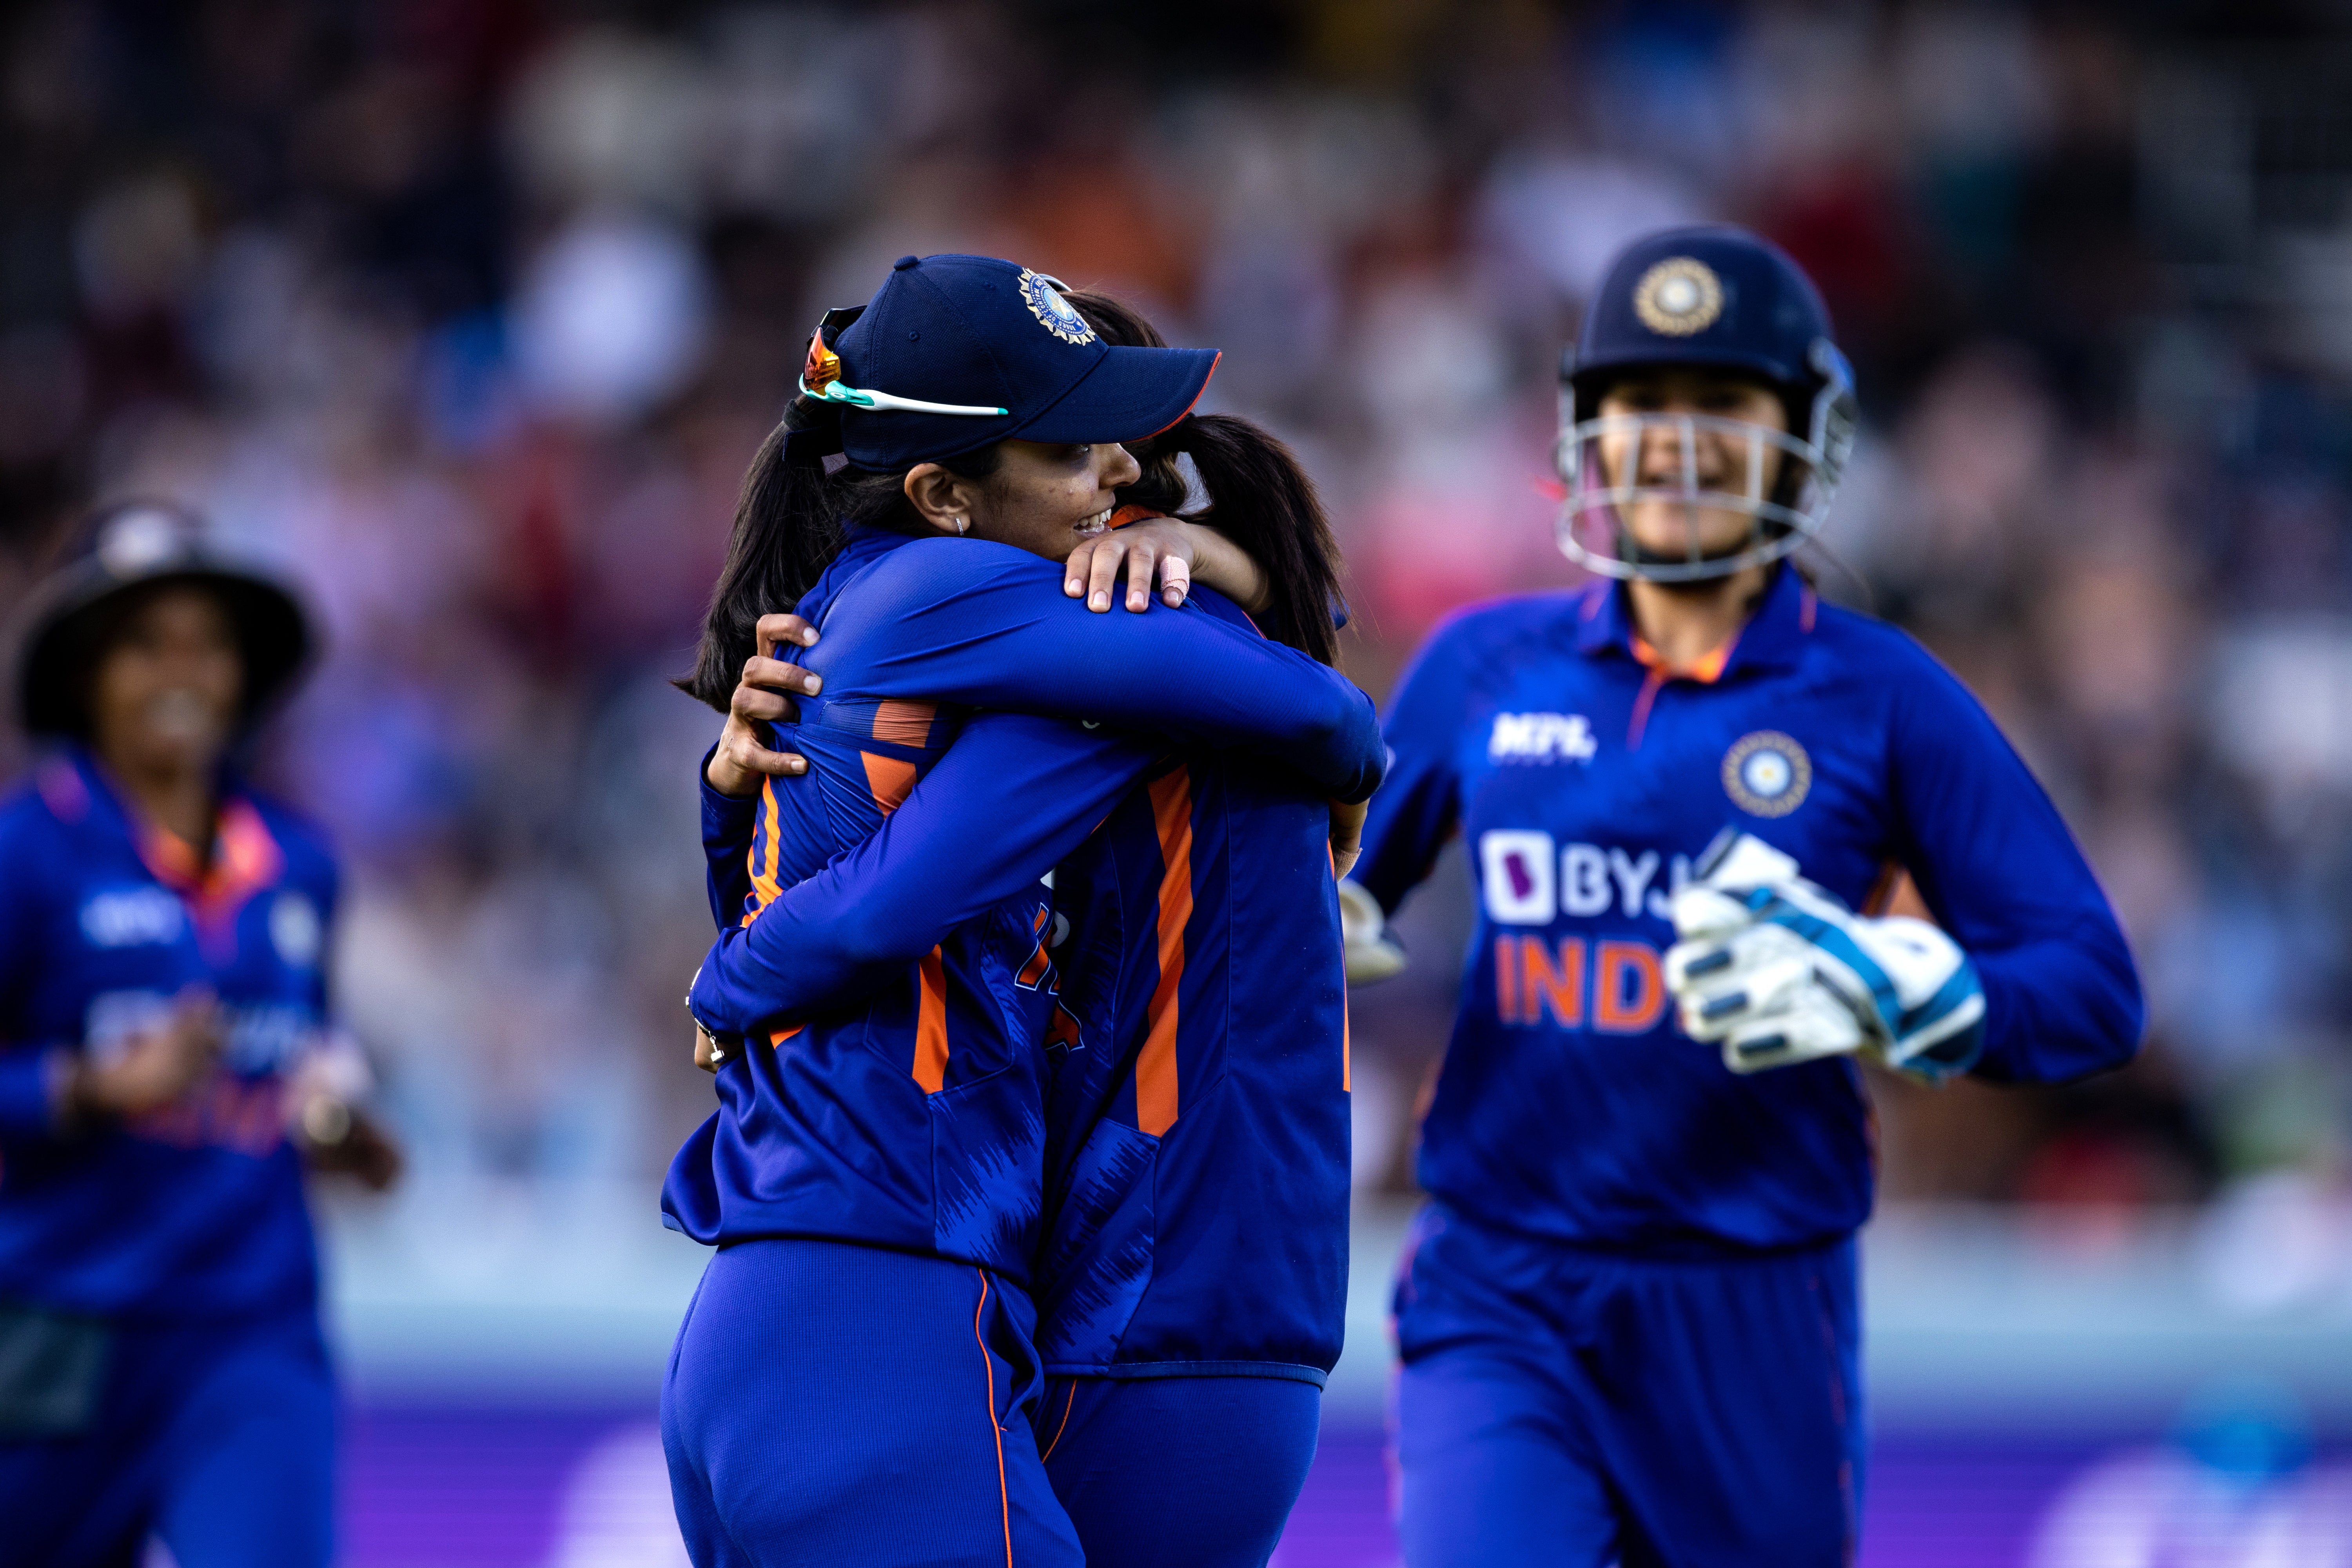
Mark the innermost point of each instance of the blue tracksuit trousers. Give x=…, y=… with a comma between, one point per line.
x=1568, y=1409
x=830, y=1403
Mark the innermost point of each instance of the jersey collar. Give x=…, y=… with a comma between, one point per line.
x=245, y=857
x=1774, y=639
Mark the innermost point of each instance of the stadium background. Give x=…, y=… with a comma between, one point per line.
x=472, y=312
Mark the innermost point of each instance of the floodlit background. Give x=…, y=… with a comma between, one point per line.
x=471, y=311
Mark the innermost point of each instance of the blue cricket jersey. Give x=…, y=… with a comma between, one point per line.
x=196, y=1210
x=1585, y=777
x=906, y=1108
x=1198, y=1162
x=1197, y=1128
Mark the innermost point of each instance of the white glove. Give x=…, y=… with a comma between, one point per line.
x=1780, y=972
x=1370, y=954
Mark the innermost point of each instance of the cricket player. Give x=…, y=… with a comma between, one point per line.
x=1191, y=1275
x=167, y=1068
x=1627, y=1317
x=858, y=1377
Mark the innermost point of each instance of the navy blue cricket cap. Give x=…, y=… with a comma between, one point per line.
x=980, y=334
x=1710, y=294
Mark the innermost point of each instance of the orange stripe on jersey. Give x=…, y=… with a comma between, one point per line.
x=891, y=781
x=1132, y=513
x=1155, y=1069
x=1035, y=970
x=761, y=858
x=932, y=1024
x=1347, y=1054
x=780, y=1035
x=904, y=723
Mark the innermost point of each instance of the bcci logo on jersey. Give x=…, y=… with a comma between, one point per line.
x=1541, y=738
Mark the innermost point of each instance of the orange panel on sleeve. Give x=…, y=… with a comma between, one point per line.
x=904, y=723
x=891, y=781
x=761, y=858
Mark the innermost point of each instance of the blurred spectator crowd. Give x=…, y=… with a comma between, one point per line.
x=471, y=313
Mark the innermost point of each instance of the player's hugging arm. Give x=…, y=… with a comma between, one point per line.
x=941, y=625
x=1013, y=794
x=2006, y=880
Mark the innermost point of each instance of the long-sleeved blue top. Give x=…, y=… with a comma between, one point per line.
x=1197, y=1127
x=1585, y=778
x=913, y=1115
x=196, y=1211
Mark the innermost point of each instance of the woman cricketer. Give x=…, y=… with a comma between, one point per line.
x=167, y=1068
x=856, y=1379
x=1627, y=1317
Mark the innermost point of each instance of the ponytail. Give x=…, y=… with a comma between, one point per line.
x=1263, y=500
x=789, y=522
x=1258, y=496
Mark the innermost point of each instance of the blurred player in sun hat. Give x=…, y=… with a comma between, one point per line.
x=1628, y=1316
x=168, y=1067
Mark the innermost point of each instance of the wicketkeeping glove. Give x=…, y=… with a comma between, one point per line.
x=1371, y=954
x=1780, y=972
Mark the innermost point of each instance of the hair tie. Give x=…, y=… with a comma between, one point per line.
x=811, y=432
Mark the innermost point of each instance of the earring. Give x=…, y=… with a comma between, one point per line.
x=962, y=525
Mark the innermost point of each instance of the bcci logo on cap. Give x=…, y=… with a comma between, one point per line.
x=1767, y=773
x=1058, y=316
x=1678, y=297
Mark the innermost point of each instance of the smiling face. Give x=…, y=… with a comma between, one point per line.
x=1724, y=461
x=1045, y=499
x=164, y=689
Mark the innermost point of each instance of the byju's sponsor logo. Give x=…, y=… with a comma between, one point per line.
x=1541, y=738
x=1528, y=878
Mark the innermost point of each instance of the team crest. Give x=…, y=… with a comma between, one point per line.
x=1678, y=297
x=1058, y=316
x=1767, y=773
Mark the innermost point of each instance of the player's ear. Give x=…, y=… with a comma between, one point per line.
x=940, y=499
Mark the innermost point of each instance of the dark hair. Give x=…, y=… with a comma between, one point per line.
x=789, y=523
x=1258, y=496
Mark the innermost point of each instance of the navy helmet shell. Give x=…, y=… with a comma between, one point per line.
x=1717, y=297
x=1711, y=295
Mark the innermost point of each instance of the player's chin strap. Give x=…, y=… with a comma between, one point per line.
x=1779, y=972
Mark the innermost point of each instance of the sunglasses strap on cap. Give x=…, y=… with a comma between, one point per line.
x=821, y=378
